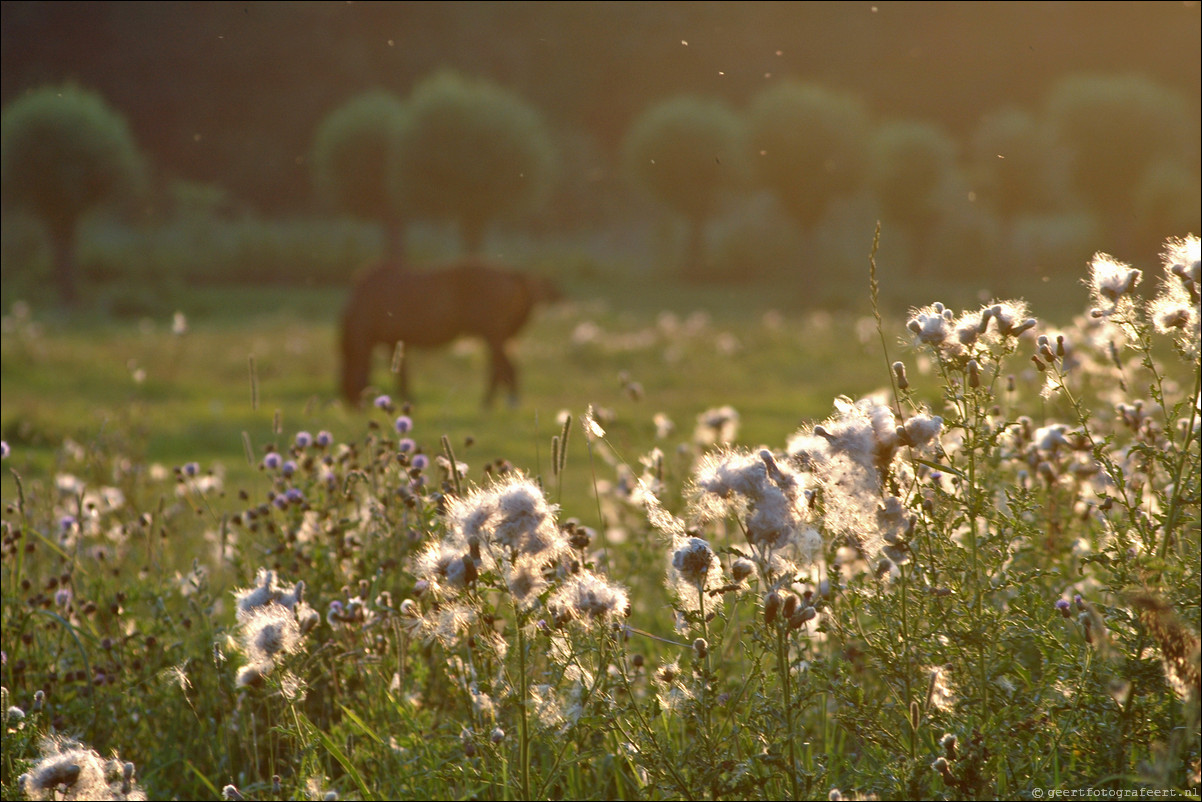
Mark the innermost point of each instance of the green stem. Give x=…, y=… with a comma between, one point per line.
x=782, y=664
x=523, y=724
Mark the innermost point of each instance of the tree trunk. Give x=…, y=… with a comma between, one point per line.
x=692, y=268
x=63, y=245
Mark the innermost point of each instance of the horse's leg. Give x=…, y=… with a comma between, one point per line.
x=502, y=372
x=400, y=363
x=356, y=363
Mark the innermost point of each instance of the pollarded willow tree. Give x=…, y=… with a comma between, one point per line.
x=63, y=152
x=473, y=153
x=686, y=152
x=1119, y=130
x=911, y=163
x=809, y=145
x=351, y=154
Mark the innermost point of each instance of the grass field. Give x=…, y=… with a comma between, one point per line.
x=977, y=585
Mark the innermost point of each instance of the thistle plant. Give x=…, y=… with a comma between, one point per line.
x=980, y=581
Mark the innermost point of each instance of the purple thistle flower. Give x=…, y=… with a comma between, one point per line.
x=1063, y=606
x=403, y=424
x=191, y=469
x=383, y=402
x=295, y=495
x=324, y=439
x=303, y=439
x=4, y=449
x=288, y=468
x=406, y=445
x=272, y=461
x=420, y=461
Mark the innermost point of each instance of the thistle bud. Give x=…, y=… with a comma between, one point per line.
x=801, y=616
x=790, y=605
x=974, y=373
x=772, y=605
x=899, y=370
x=741, y=569
x=701, y=648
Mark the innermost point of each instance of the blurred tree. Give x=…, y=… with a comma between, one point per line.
x=1168, y=203
x=911, y=161
x=808, y=145
x=352, y=150
x=63, y=152
x=1116, y=127
x=472, y=153
x=1016, y=164
x=685, y=152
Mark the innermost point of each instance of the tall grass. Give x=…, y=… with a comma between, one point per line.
x=979, y=582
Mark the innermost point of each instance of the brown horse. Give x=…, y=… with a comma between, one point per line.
x=425, y=309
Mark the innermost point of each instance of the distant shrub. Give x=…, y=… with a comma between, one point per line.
x=65, y=151
x=352, y=150
x=1115, y=127
x=1167, y=198
x=808, y=145
x=473, y=153
x=1016, y=166
x=911, y=161
x=686, y=152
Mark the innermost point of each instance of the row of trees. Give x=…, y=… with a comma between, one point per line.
x=473, y=153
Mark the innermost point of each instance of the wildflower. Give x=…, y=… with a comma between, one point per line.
x=1063, y=606
x=383, y=402
x=766, y=496
x=403, y=424
x=303, y=440
x=68, y=769
x=590, y=598
x=272, y=461
x=692, y=561
x=4, y=449
x=324, y=439
x=741, y=568
x=191, y=469
x=405, y=445
x=922, y=428
x=525, y=522
x=931, y=325
x=1110, y=279
x=941, y=765
x=269, y=632
x=288, y=468
x=525, y=580
x=1175, y=310
x=1010, y=318
x=717, y=425
x=267, y=590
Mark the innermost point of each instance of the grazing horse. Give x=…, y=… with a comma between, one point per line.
x=424, y=309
